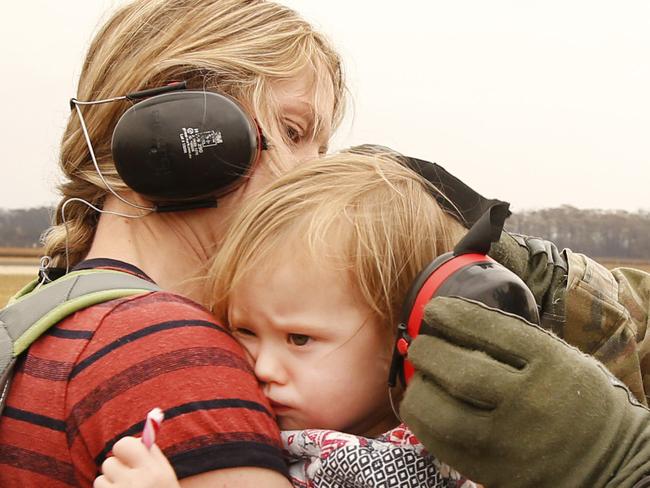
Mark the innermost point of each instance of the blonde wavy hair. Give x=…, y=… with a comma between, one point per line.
x=238, y=47
x=363, y=212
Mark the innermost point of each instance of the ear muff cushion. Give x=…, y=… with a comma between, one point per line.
x=417, y=285
x=184, y=145
x=424, y=287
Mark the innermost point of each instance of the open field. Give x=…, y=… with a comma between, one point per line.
x=624, y=263
x=10, y=284
x=18, y=266
x=21, y=252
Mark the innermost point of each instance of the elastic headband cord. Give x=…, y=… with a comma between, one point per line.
x=76, y=103
x=85, y=202
x=392, y=405
x=43, y=264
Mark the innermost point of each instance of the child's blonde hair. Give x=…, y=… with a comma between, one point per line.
x=238, y=47
x=375, y=217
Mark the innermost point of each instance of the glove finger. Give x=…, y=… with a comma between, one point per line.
x=511, y=254
x=468, y=375
x=473, y=325
x=440, y=421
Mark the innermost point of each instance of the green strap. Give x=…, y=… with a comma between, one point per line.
x=33, y=311
x=36, y=308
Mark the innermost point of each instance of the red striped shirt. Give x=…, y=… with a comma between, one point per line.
x=92, y=378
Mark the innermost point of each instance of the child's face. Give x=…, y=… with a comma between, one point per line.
x=321, y=356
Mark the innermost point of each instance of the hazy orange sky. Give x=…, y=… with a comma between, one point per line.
x=540, y=103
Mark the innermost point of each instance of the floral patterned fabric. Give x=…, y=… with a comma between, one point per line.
x=330, y=459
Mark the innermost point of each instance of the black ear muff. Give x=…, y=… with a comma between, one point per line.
x=185, y=145
x=466, y=272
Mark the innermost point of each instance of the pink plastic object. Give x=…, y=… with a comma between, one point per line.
x=151, y=426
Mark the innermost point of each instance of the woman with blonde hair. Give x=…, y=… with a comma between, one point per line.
x=311, y=281
x=92, y=378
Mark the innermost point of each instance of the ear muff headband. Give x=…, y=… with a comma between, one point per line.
x=185, y=145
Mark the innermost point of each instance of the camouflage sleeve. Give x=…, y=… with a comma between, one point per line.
x=607, y=315
x=604, y=313
x=542, y=267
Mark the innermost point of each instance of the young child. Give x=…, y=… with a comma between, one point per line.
x=310, y=279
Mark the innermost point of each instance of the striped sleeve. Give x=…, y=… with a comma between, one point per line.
x=160, y=350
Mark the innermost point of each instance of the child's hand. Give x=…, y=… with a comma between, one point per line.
x=134, y=466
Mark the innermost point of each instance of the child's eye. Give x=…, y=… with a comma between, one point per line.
x=299, y=339
x=243, y=331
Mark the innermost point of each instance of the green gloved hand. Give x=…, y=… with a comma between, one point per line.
x=542, y=267
x=509, y=404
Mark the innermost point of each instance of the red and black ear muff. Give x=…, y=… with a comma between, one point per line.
x=466, y=272
x=185, y=145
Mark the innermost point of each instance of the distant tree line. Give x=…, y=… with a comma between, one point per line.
x=598, y=233
x=23, y=227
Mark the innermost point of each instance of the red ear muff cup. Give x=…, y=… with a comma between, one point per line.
x=473, y=276
x=185, y=145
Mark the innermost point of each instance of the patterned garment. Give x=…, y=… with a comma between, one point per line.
x=330, y=459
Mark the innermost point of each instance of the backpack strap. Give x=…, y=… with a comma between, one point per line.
x=35, y=309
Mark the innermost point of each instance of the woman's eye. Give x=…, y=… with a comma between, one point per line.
x=293, y=134
x=299, y=339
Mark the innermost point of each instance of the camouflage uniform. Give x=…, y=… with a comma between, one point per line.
x=604, y=313
x=607, y=316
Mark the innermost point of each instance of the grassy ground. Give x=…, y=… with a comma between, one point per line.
x=10, y=284
x=17, y=268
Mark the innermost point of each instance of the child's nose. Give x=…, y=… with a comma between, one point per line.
x=268, y=367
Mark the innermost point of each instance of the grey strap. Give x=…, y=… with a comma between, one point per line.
x=18, y=317
x=89, y=287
